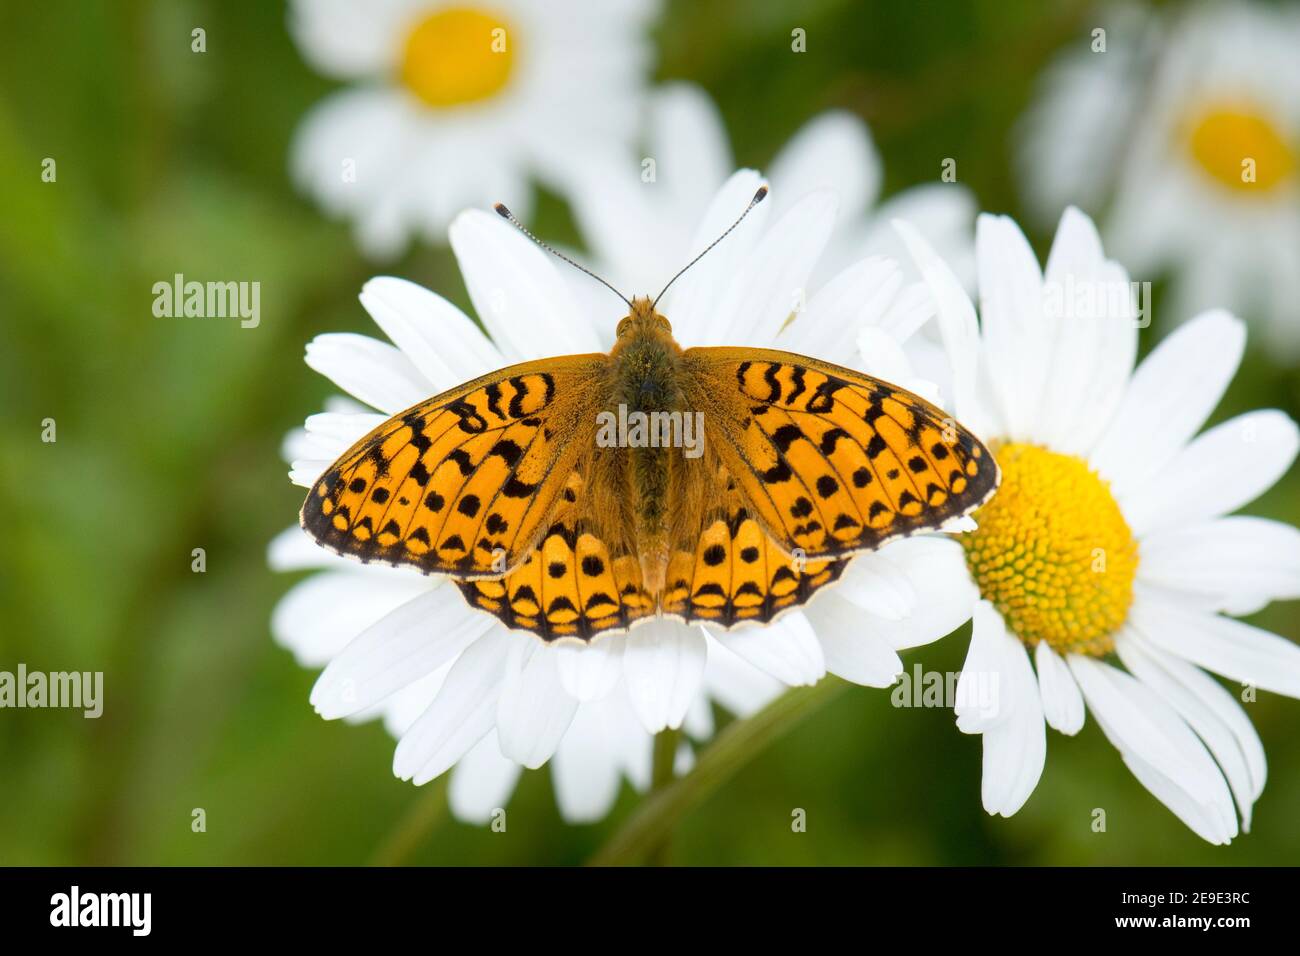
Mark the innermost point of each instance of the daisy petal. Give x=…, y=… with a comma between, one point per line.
x=344, y=41
x=984, y=698
x=591, y=672
x=396, y=650
x=318, y=617
x=690, y=143
x=403, y=708
x=1167, y=676
x=441, y=340
x=1062, y=703
x=1219, y=644
x=942, y=212
x=1226, y=467
x=774, y=282
x=533, y=711
x=881, y=355
x=958, y=327
x=859, y=296
x=1011, y=307
x=877, y=585
x=1236, y=564
x=736, y=684
x=462, y=713
x=584, y=769
x=935, y=566
x=1015, y=748
x=631, y=745
x=364, y=128
x=373, y=371
x=699, y=716
x=517, y=292
x=330, y=434
x=293, y=549
x=1213, y=822
x=663, y=663
x=1169, y=398
x=786, y=648
x=482, y=782
x=1089, y=306
x=693, y=300
x=833, y=150
x=850, y=650
x=904, y=316
x=304, y=472
x=1142, y=726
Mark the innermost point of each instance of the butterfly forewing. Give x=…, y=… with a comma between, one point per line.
x=465, y=482
x=829, y=460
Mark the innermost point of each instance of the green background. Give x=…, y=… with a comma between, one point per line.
x=169, y=433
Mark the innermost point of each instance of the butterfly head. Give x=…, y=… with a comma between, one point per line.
x=643, y=320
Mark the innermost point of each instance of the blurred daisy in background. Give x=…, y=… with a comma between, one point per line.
x=1111, y=534
x=1071, y=139
x=452, y=682
x=1186, y=133
x=459, y=104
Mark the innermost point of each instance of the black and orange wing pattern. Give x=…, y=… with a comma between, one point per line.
x=465, y=482
x=831, y=461
x=737, y=574
x=806, y=464
x=572, y=584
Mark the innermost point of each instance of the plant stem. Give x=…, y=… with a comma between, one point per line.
x=416, y=824
x=654, y=820
x=665, y=755
x=661, y=775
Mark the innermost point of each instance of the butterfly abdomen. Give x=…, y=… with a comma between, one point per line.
x=647, y=390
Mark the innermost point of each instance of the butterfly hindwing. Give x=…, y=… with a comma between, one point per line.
x=464, y=482
x=831, y=461
x=572, y=584
x=737, y=574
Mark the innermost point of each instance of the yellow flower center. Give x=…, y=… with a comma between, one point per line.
x=1239, y=148
x=456, y=56
x=1053, y=552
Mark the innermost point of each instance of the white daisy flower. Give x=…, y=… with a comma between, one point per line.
x=1191, y=127
x=1110, y=534
x=638, y=214
x=459, y=104
x=453, y=683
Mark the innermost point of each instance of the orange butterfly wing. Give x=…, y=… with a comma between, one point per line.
x=464, y=482
x=831, y=461
x=573, y=584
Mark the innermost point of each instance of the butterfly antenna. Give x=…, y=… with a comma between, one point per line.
x=758, y=198
x=506, y=214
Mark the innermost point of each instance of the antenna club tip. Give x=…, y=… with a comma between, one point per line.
x=761, y=194
x=501, y=209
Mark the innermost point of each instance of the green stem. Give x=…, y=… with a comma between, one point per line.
x=665, y=755
x=661, y=775
x=654, y=820
x=415, y=825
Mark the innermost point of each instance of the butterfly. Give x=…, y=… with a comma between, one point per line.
x=745, y=483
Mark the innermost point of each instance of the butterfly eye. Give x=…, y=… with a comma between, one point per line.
x=662, y=323
x=622, y=326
